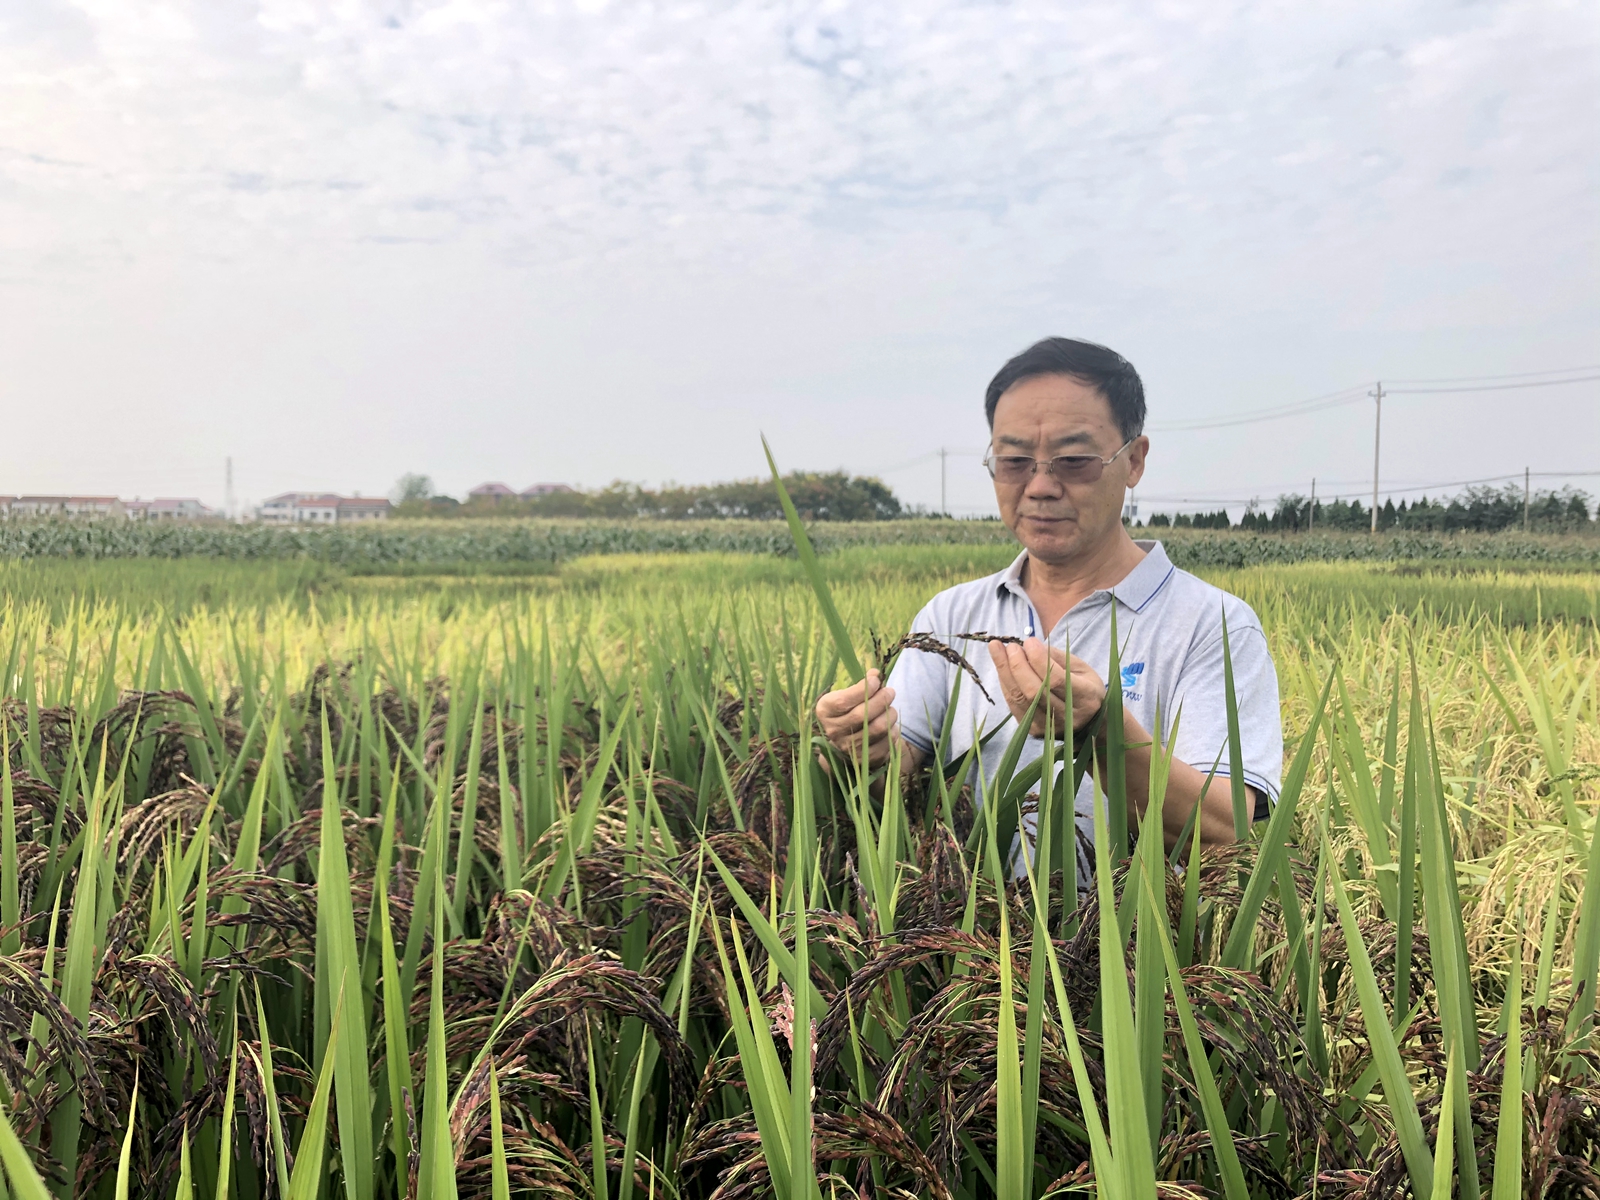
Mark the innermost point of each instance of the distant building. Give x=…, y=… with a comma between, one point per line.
x=296, y=508
x=490, y=493
x=543, y=489
x=364, y=508
x=322, y=508
x=168, y=508
x=62, y=506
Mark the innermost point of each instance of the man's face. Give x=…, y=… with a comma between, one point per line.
x=1051, y=415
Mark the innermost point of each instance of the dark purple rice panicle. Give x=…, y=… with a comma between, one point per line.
x=928, y=644
x=981, y=636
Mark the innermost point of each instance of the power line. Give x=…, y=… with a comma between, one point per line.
x=1296, y=409
x=1512, y=375
x=927, y=457
x=1491, y=387
x=1353, y=394
x=910, y=462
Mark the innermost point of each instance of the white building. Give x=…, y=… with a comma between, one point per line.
x=168, y=508
x=321, y=508
x=543, y=489
x=62, y=506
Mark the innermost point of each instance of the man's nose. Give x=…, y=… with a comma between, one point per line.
x=1043, y=485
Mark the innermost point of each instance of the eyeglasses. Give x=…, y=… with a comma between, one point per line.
x=1015, y=469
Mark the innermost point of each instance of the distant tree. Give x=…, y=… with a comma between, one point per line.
x=412, y=488
x=1291, y=513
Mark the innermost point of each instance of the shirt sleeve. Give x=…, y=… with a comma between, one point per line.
x=921, y=684
x=1203, y=718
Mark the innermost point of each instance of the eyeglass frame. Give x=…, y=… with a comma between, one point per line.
x=990, y=456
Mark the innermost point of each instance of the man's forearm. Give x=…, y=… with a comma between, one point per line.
x=1184, y=786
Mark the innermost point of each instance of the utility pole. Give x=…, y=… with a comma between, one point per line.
x=1377, y=434
x=1526, y=497
x=943, y=455
x=1311, y=513
x=227, y=503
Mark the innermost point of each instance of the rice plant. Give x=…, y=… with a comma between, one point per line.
x=557, y=892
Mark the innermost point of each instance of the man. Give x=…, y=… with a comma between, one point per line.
x=1066, y=421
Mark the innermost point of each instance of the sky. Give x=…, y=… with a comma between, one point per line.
x=589, y=241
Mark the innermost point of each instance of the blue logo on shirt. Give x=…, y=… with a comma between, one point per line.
x=1130, y=680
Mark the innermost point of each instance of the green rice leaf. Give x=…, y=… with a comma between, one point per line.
x=10, y=901
x=813, y=570
x=1586, y=955
x=437, y=1179
x=185, y=1186
x=1242, y=816
x=599, y=1183
x=1125, y=1099
x=499, y=1173
x=339, y=978
x=758, y=1062
x=1216, y=1114
x=125, y=1160
x=1236, y=953
x=764, y=931
x=264, y=1069
x=307, y=1179
x=21, y=1174
x=1385, y=1052
x=225, y=1152
x=1508, y=1136
x=1444, y=1143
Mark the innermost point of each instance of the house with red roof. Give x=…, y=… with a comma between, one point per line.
x=490, y=493
x=322, y=508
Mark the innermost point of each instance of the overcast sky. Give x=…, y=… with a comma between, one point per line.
x=585, y=241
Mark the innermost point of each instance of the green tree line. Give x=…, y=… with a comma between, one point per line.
x=818, y=495
x=1476, y=510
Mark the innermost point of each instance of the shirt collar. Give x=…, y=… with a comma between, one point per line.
x=1135, y=590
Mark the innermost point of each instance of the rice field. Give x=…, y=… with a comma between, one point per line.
x=315, y=882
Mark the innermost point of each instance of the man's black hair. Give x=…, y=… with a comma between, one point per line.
x=1093, y=365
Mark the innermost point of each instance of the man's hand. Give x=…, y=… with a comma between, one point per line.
x=844, y=714
x=1023, y=670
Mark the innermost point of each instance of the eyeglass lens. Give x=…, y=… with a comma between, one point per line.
x=1067, y=468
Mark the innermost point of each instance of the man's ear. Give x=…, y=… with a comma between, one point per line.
x=1136, y=457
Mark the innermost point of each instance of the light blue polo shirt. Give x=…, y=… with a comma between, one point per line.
x=1169, y=623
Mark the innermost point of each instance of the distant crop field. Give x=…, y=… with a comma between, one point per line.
x=497, y=880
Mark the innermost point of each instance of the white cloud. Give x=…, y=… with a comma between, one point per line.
x=810, y=188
